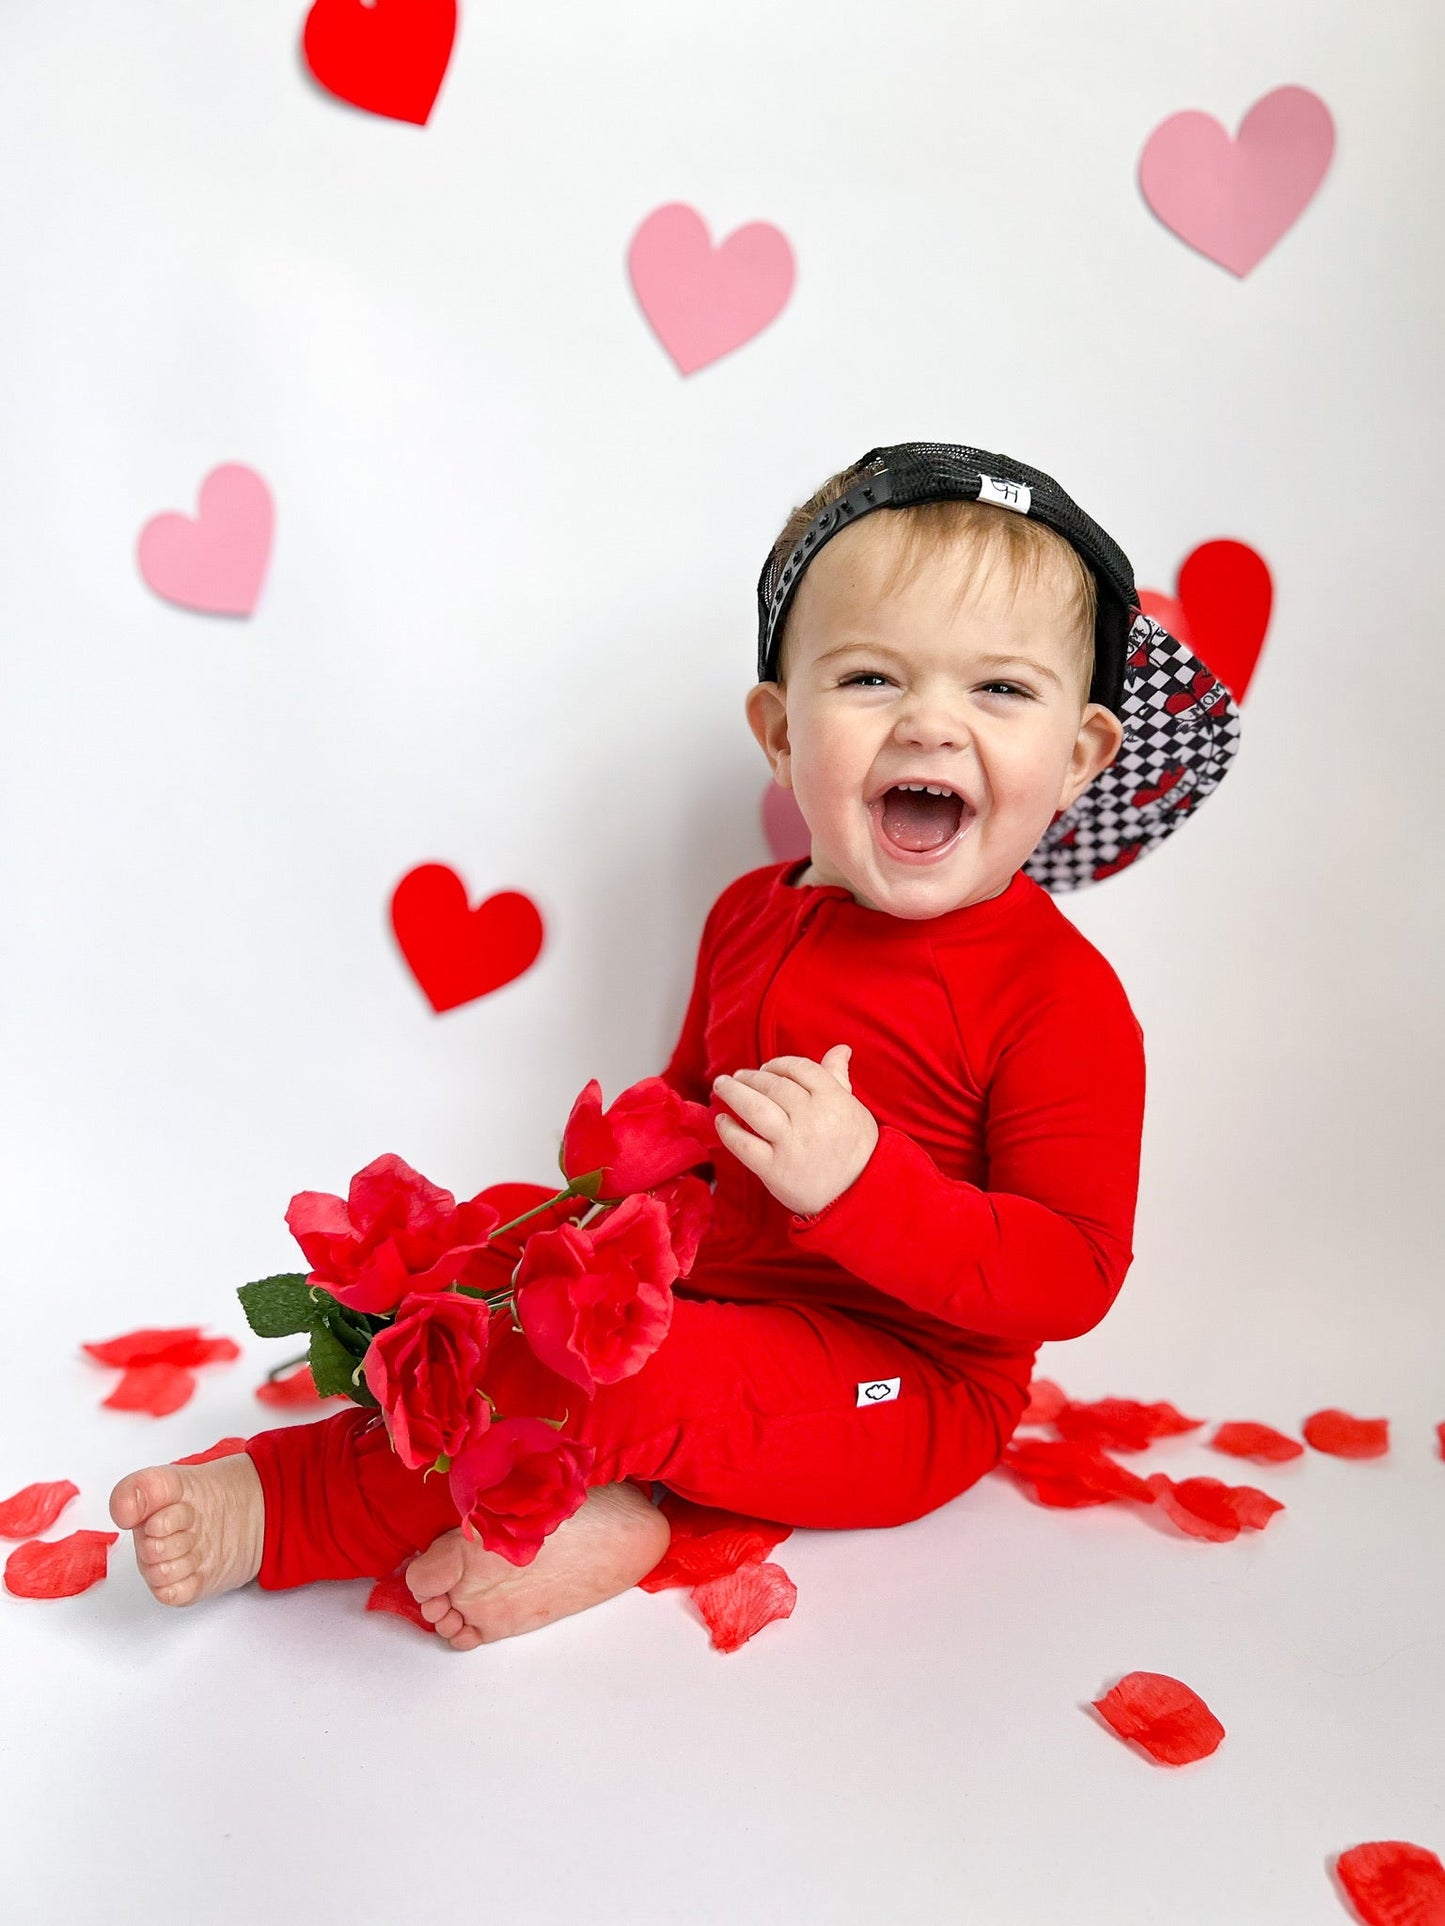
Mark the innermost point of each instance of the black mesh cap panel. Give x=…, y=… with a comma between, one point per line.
x=930, y=471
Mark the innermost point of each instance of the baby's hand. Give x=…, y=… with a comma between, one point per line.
x=809, y=1136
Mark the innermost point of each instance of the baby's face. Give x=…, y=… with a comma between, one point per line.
x=944, y=681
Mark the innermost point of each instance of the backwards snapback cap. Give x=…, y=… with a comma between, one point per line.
x=1181, y=725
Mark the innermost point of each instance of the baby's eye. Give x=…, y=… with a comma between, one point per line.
x=871, y=675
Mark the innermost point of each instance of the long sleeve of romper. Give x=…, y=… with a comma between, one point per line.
x=1041, y=1252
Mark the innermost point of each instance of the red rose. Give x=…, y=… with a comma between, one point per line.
x=649, y=1135
x=392, y=1234
x=425, y=1371
x=688, y=1202
x=517, y=1483
x=595, y=1304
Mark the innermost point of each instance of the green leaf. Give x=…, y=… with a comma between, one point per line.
x=278, y=1306
x=349, y=1328
x=332, y=1365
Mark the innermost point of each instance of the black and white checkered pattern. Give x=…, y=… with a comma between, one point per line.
x=1181, y=731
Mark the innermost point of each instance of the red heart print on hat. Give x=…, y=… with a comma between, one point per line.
x=702, y=301
x=1221, y=611
x=386, y=56
x=217, y=562
x=457, y=953
x=1232, y=200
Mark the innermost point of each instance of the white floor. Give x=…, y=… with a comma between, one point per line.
x=915, y=1744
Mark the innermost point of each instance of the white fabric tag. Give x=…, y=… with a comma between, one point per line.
x=1007, y=494
x=878, y=1390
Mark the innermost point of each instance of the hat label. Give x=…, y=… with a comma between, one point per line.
x=1008, y=494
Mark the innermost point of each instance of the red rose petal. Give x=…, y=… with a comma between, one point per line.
x=709, y=1543
x=1122, y=1424
x=394, y=1595
x=1440, y=1434
x=223, y=1448
x=35, y=1508
x=1258, y=1441
x=1063, y=1472
x=297, y=1388
x=1172, y=1723
x=181, y=1344
x=743, y=1602
x=1207, y=1508
x=1343, y=1436
x=156, y=1388
x=60, y=1568
x=1393, y=1883
x=1045, y=1403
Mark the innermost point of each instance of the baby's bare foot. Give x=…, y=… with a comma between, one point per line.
x=474, y=1597
x=198, y=1529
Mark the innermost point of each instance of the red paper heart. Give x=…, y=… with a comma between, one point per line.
x=1222, y=612
x=786, y=832
x=457, y=953
x=387, y=56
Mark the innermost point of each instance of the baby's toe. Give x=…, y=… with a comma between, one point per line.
x=171, y=1571
x=438, y=1569
x=170, y=1519
x=143, y=1492
x=151, y=1552
x=433, y=1609
x=179, y=1591
x=450, y=1623
x=466, y=1640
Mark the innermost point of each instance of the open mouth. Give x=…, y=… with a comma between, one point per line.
x=914, y=823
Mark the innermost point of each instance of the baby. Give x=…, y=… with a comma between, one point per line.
x=928, y=1085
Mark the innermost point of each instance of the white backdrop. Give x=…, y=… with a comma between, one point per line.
x=508, y=625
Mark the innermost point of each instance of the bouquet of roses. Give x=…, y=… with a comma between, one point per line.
x=414, y=1305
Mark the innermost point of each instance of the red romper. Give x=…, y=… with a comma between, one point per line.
x=864, y=1365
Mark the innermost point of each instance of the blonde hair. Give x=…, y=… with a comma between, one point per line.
x=989, y=535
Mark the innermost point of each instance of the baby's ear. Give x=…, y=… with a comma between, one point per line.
x=767, y=715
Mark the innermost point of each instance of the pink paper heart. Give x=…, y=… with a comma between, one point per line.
x=784, y=827
x=703, y=301
x=215, y=563
x=1233, y=199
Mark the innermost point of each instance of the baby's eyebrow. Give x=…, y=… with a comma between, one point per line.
x=994, y=661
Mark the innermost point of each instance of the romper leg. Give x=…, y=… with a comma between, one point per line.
x=752, y=1407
